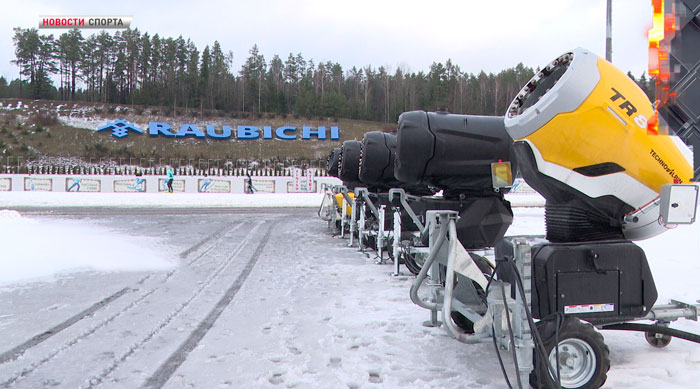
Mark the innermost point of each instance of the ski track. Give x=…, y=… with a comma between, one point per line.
x=18, y=351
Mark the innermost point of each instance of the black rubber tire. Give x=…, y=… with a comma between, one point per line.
x=462, y=322
x=410, y=261
x=658, y=342
x=571, y=328
x=370, y=241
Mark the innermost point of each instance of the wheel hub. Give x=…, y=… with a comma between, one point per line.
x=577, y=362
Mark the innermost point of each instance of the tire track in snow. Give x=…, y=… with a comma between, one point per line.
x=166, y=370
x=199, y=244
x=33, y=367
x=18, y=351
x=222, y=232
x=99, y=379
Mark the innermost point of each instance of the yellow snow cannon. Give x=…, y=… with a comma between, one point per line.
x=581, y=130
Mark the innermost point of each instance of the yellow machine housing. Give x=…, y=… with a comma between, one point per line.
x=339, y=203
x=585, y=122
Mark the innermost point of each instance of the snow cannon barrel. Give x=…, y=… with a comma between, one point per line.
x=377, y=165
x=451, y=152
x=349, y=163
x=377, y=160
x=580, y=126
x=332, y=162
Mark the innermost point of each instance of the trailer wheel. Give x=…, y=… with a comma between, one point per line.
x=370, y=241
x=657, y=340
x=583, y=356
x=462, y=322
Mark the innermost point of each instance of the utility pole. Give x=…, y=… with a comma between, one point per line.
x=608, y=32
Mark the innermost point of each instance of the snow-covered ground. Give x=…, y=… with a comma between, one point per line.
x=188, y=200
x=158, y=200
x=179, y=309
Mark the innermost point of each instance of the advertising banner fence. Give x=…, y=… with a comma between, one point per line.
x=76, y=184
x=38, y=184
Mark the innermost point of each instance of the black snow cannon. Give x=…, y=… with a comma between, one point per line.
x=454, y=153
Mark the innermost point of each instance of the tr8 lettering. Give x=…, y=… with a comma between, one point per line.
x=625, y=105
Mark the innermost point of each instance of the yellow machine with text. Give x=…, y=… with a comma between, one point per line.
x=582, y=125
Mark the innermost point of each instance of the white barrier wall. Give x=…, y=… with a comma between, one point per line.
x=154, y=184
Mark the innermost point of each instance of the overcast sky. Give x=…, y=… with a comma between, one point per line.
x=488, y=35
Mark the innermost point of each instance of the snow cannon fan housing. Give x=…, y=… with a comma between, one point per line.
x=580, y=127
x=451, y=152
x=332, y=162
x=377, y=165
x=349, y=163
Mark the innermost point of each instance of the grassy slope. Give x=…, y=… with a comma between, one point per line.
x=31, y=126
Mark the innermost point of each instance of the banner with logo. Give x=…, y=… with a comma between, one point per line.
x=178, y=185
x=76, y=184
x=266, y=186
x=208, y=185
x=132, y=185
x=38, y=184
x=303, y=187
x=5, y=184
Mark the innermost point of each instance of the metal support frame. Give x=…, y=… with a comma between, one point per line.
x=673, y=311
x=342, y=217
x=353, y=222
x=394, y=192
x=363, y=203
x=436, y=223
x=442, y=228
x=344, y=220
x=396, y=244
x=381, y=234
x=524, y=343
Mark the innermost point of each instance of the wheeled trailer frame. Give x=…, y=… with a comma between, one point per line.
x=476, y=309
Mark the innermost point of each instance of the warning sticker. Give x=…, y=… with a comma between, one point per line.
x=588, y=308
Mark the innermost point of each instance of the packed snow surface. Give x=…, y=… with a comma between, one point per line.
x=313, y=313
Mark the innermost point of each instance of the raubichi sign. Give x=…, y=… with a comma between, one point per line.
x=122, y=128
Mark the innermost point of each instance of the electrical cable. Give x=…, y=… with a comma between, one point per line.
x=500, y=360
x=556, y=347
x=539, y=344
x=493, y=330
x=512, y=336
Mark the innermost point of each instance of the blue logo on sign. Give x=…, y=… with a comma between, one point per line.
x=120, y=128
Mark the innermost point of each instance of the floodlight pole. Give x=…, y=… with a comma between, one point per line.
x=608, y=32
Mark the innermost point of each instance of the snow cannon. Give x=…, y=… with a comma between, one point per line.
x=457, y=153
x=451, y=152
x=377, y=161
x=332, y=162
x=331, y=208
x=581, y=140
x=582, y=143
x=349, y=163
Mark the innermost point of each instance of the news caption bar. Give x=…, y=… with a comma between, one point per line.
x=97, y=22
